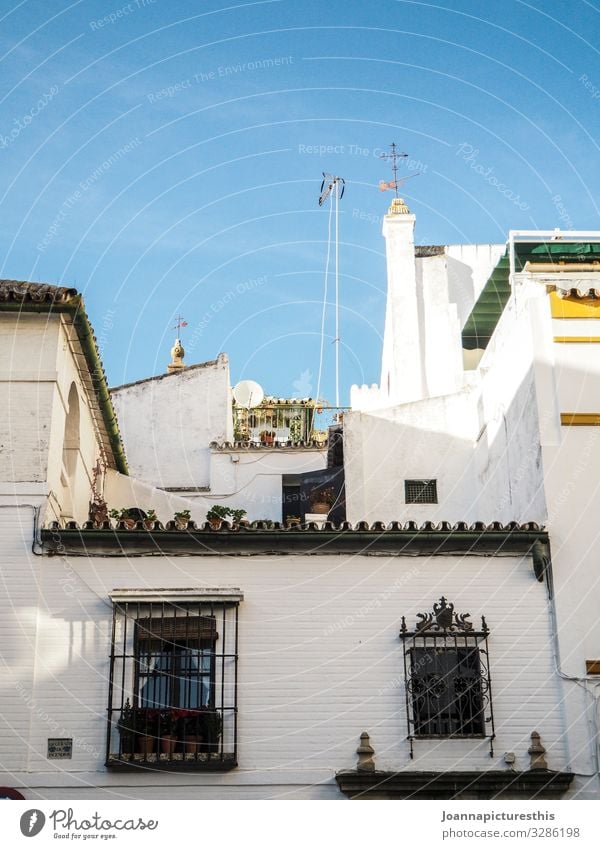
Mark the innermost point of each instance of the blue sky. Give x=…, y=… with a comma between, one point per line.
x=166, y=157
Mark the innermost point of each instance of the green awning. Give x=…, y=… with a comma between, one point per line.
x=486, y=313
x=557, y=251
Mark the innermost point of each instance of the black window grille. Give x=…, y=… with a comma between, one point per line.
x=420, y=491
x=447, y=677
x=173, y=685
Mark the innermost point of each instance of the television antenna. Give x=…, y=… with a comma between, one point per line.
x=332, y=187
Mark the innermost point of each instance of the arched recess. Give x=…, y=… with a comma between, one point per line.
x=70, y=454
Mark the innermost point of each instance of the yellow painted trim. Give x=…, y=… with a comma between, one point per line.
x=577, y=339
x=574, y=307
x=580, y=419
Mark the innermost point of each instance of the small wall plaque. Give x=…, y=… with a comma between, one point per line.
x=60, y=747
x=592, y=667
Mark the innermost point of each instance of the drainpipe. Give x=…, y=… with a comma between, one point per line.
x=581, y=682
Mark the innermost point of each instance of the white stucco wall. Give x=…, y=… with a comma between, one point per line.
x=572, y=490
x=124, y=491
x=469, y=268
x=320, y=662
x=428, y=439
x=251, y=479
x=168, y=422
x=508, y=463
x=28, y=373
x=38, y=369
x=481, y=444
x=429, y=299
x=439, y=328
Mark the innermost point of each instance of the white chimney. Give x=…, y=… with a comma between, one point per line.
x=402, y=364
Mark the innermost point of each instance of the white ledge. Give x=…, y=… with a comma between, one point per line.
x=168, y=594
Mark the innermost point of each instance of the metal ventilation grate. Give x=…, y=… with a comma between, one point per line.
x=420, y=491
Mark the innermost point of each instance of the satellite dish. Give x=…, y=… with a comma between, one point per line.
x=248, y=393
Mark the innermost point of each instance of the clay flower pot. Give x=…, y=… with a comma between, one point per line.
x=167, y=744
x=191, y=743
x=320, y=507
x=145, y=744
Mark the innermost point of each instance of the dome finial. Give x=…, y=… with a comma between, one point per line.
x=398, y=207
x=177, y=355
x=177, y=351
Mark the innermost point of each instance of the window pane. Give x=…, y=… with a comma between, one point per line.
x=155, y=680
x=446, y=691
x=194, y=678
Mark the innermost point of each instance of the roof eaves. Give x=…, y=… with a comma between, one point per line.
x=23, y=297
x=207, y=364
x=260, y=538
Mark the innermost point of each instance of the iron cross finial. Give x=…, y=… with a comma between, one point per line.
x=180, y=323
x=394, y=156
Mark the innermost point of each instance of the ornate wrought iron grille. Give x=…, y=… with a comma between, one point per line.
x=173, y=685
x=447, y=676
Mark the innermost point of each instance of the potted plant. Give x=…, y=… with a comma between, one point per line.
x=296, y=429
x=182, y=517
x=150, y=519
x=321, y=500
x=237, y=516
x=211, y=729
x=217, y=515
x=146, y=726
x=267, y=437
x=126, y=727
x=166, y=728
x=129, y=515
x=191, y=731
x=98, y=512
x=291, y=521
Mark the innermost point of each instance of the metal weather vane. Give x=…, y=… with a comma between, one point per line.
x=394, y=156
x=180, y=323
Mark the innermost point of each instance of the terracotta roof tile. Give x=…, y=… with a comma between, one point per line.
x=22, y=291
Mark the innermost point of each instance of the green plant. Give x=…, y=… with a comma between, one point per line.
x=166, y=722
x=323, y=496
x=151, y=515
x=217, y=511
x=296, y=429
x=220, y=513
x=211, y=728
x=132, y=513
x=126, y=723
x=183, y=516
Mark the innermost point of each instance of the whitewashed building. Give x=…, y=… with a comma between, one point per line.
x=193, y=448
x=426, y=648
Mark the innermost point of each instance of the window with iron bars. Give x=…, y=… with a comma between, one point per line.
x=447, y=678
x=173, y=681
x=420, y=491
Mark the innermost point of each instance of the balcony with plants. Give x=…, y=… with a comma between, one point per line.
x=285, y=422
